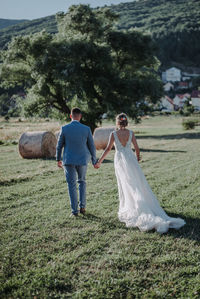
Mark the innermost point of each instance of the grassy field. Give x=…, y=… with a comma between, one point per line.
x=46, y=254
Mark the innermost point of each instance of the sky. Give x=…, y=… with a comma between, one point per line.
x=33, y=9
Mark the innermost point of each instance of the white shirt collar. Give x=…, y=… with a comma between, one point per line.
x=74, y=120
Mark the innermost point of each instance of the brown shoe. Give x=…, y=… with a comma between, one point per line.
x=82, y=211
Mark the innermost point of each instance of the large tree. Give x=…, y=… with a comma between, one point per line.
x=88, y=63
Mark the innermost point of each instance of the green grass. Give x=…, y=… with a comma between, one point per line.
x=47, y=254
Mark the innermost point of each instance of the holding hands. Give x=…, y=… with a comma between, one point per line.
x=97, y=165
x=59, y=164
x=106, y=151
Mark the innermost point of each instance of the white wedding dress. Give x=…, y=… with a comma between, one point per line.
x=138, y=206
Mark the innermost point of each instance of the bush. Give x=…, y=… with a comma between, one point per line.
x=7, y=117
x=4, y=104
x=187, y=110
x=189, y=124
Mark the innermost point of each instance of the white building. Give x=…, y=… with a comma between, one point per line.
x=195, y=97
x=187, y=76
x=168, y=86
x=164, y=77
x=183, y=85
x=167, y=103
x=180, y=100
x=173, y=75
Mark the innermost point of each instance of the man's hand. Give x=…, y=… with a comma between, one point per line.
x=59, y=164
x=97, y=165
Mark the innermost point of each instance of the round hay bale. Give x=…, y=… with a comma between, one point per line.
x=37, y=145
x=101, y=137
x=57, y=133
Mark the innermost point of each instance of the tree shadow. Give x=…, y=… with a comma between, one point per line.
x=107, y=161
x=171, y=136
x=48, y=158
x=161, y=151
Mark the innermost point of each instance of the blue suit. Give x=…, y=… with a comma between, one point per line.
x=79, y=148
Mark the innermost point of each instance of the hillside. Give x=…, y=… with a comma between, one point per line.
x=173, y=24
x=28, y=27
x=6, y=22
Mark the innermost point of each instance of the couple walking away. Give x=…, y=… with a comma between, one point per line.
x=138, y=206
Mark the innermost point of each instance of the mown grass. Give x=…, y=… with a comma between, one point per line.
x=47, y=254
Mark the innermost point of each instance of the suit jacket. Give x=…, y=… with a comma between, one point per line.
x=78, y=144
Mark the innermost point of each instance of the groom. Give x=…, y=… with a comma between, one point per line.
x=78, y=144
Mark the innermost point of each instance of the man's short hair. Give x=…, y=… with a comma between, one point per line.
x=75, y=111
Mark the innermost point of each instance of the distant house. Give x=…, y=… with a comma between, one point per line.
x=172, y=75
x=167, y=103
x=164, y=77
x=183, y=85
x=195, y=97
x=180, y=100
x=168, y=86
x=195, y=94
x=184, y=78
x=190, y=76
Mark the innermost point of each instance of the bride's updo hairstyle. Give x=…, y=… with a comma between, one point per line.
x=122, y=120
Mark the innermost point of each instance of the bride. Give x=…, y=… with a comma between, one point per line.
x=138, y=206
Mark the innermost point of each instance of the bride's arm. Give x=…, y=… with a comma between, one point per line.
x=107, y=150
x=137, y=150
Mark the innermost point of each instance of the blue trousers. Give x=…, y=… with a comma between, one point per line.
x=71, y=172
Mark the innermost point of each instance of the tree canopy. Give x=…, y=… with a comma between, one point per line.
x=87, y=63
x=173, y=24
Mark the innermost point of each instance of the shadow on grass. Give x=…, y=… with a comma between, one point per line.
x=107, y=161
x=111, y=224
x=172, y=136
x=48, y=159
x=19, y=180
x=160, y=151
x=191, y=230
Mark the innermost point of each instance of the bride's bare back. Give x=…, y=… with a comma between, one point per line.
x=123, y=136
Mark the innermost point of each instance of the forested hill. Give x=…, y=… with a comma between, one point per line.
x=174, y=25
x=28, y=27
x=6, y=22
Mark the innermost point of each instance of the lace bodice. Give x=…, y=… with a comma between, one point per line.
x=119, y=146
